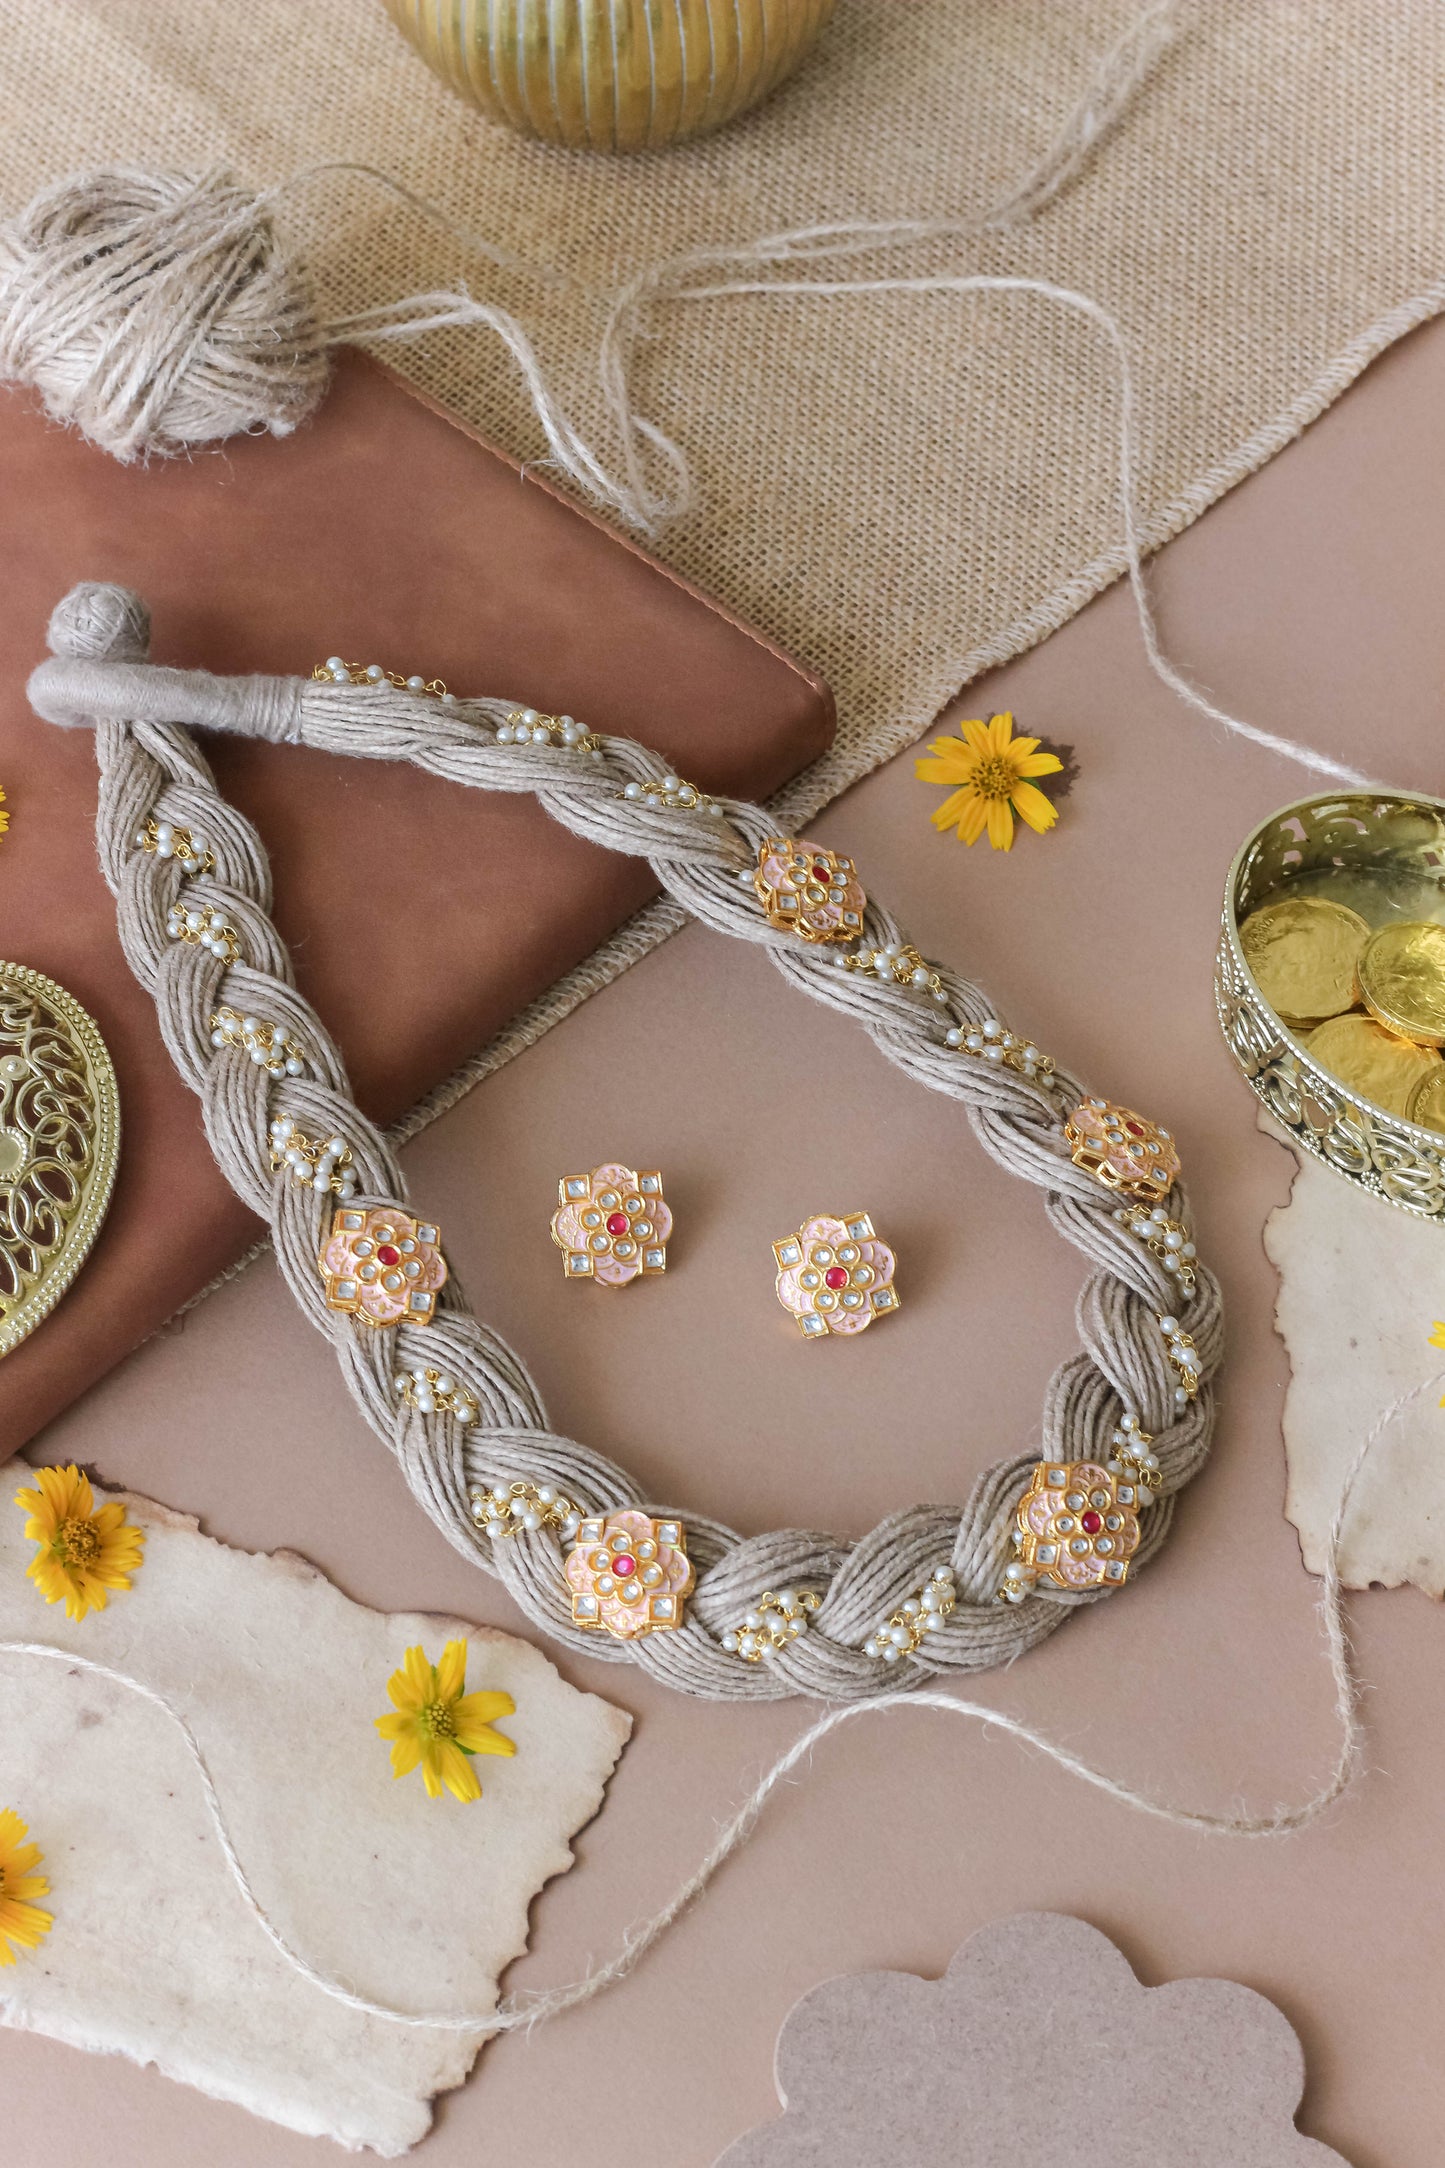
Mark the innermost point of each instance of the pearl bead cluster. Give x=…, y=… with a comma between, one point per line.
x=1132, y=1458
x=432, y=1392
x=371, y=673
x=509, y=1508
x=900, y=1634
x=1184, y=1356
x=1166, y=1238
x=187, y=845
x=265, y=1042
x=323, y=1167
x=671, y=790
x=1000, y=1049
x=207, y=929
x=777, y=1620
x=526, y=726
x=900, y=962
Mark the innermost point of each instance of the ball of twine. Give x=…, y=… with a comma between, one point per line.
x=156, y=312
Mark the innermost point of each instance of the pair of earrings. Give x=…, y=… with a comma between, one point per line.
x=833, y=1276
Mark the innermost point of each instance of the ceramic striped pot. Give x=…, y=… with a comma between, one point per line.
x=616, y=75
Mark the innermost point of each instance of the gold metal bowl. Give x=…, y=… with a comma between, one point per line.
x=59, y=1145
x=613, y=75
x=1382, y=854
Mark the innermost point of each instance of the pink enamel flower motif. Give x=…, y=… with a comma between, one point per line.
x=382, y=1265
x=835, y=1275
x=1077, y=1525
x=1124, y=1150
x=611, y=1225
x=809, y=891
x=628, y=1574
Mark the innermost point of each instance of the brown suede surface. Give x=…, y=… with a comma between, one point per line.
x=421, y=917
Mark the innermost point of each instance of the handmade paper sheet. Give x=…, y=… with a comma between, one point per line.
x=1361, y=1284
x=412, y=1902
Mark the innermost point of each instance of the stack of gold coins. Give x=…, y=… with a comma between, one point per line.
x=1372, y=1005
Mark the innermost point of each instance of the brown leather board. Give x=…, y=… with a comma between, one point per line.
x=421, y=917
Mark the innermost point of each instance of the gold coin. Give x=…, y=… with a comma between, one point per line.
x=1427, y=1101
x=1303, y=952
x=1402, y=980
x=1373, y=1062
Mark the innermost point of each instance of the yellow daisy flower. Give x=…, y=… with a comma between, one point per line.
x=4, y=817
x=81, y=1552
x=21, y=1923
x=434, y=1722
x=991, y=767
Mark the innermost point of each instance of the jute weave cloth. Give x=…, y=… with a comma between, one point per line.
x=903, y=489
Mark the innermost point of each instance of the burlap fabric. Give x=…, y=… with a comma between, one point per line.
x=902, y=489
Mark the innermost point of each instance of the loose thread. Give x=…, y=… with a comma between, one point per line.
x=530, y=2008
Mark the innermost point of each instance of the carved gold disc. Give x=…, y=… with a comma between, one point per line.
x=1402, y=980
x=59, y=1143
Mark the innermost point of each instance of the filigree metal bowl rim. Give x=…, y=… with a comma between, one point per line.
x=1427, y=1144
x=33, y=1308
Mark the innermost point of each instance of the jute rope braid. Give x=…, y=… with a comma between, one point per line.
x=151, y=770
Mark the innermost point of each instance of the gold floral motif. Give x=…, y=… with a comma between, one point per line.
x=808, y=891
x=59, y=1143
x=628, y=1575
x=1123, y=1150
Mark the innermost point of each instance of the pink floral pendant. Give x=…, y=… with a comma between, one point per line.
x=1123, y=1150
x=628, y=1575
x=810, y=892
x=382, y=1266
x=611, y=1225
x=1077, y=1525
x=834, y=1275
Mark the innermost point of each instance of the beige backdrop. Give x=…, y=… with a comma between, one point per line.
x=903, y=489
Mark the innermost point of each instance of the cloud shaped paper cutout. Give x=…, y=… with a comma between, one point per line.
x=1037, y=2044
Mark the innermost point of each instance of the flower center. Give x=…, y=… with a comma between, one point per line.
x=75, y=1543
x=437, y=1720
x=995, y=777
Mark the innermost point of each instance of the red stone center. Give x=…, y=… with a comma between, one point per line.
x=624, y=1565
x=821, y=873
x=1135, y=1129
x=836, y=1276
x=617, y=1223
x=386, y=1255
x=1091, y=1522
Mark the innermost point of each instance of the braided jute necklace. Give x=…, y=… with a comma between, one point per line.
x=1126, y=1421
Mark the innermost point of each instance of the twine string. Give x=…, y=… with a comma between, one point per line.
x=532, y=2007
x=151, y=770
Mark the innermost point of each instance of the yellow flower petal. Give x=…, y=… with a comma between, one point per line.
x=977, y=736
x=402, y=1693
x=1000, y=825
x=406, y=1754
x=1000, y=730
x=484, y=1707
x=431, y=1774
x=1032, y=806
x=457, y=1772
x=971, y=827
x=952, y=808
x=420, y=1675
x=23, y=1925
x=950, y=763
x=452, y=1671
x=1039, y=763
x=481, y=1739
